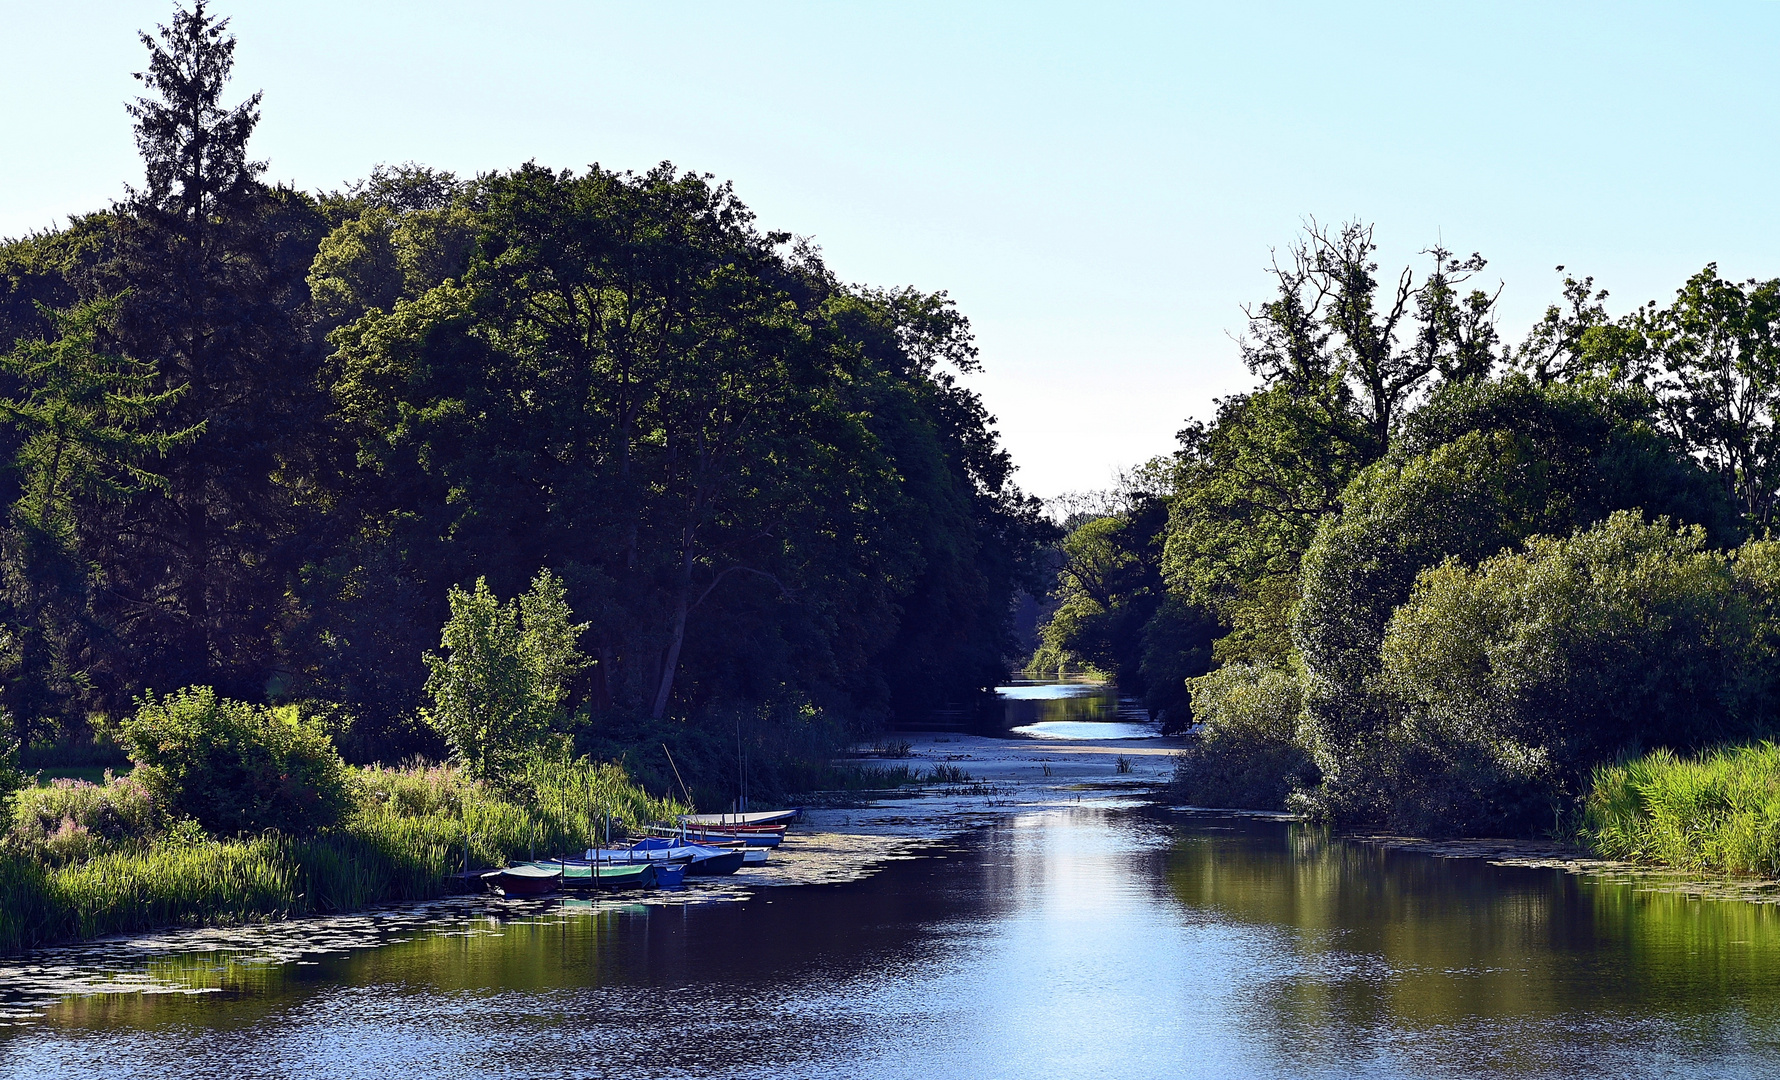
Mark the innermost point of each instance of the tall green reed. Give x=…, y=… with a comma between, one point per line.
x=1717, y=812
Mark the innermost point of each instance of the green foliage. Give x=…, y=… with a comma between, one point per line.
x=1505, y=684
x=1177, y=647
x=72, y=820
x=258, y=436
x=85, y=419
x=1718, y=812
x=1507, y=460
x=404, y=831
x=1719, y=346
x=1254, y=485
x=561, y=806
x=1247, y=754
x=1108, y=586
x=1113, y=614
x=502, y=682
x=235, y=767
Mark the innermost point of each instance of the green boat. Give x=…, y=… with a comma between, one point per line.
x=582, y=875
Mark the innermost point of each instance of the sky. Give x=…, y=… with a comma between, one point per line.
x=1098, y=186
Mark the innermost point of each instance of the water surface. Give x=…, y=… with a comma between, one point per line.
x=1052, y=709
x=1088, y=943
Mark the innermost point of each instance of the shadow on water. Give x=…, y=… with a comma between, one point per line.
x=1078, y=943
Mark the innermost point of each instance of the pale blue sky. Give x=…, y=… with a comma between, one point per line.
x=1097, y=185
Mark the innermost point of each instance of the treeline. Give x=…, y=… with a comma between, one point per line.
x=256, y=436
x=1423, y=578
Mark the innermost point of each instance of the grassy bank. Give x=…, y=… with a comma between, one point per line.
x=1718, y=812
x=84, y=860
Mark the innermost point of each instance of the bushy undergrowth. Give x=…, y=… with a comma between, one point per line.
x=1718, y=812
x=87, y=860
x=1248, y=754
x=233, y=766
x=71, y=820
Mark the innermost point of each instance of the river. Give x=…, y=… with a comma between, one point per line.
x=1101, y=939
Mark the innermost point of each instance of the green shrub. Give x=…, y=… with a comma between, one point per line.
x=1247, y=754
x=502, y=682
x=235, y=767
x=71, y=820
x=1506, y=684
x=1484, y=467
x=1719, y=812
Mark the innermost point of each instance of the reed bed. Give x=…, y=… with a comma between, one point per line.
x=92, y=860
x=1718, y=812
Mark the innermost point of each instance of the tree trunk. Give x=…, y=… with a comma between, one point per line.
x=195, y=589
x=671, y=663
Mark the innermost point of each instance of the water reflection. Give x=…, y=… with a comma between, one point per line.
x=1071, y=944
x=1053, y=709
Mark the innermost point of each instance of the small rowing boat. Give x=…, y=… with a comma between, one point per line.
x=763, y=817
x=767, y=836
x=526, y=879
x=577, y=874
x=705, y=860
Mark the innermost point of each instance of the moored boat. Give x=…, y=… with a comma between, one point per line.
x=716, y=864
x=526, y=879
x=751, y=856
x=762, y=817
x=768, y=836
x=577, y=874
x=707, y=859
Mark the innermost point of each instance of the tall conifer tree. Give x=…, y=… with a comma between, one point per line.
x=215, y=262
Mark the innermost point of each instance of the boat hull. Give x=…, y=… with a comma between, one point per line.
x=581, y=875
x=718, y=865
x=523, y=880
x=764, y=817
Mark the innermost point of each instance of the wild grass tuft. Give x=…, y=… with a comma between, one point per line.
x=1719, y=812
x=89, y=860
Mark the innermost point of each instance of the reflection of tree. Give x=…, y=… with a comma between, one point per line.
x=1384, y=942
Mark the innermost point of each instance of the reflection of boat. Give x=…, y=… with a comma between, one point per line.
x=526, y=879
x=763, y=817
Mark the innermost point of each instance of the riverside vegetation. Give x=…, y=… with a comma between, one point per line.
x=263, y=444
x=1423, y=579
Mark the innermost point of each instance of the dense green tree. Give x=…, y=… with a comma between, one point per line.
x=85, y=423
x=1342, y=361
x=502, y=682
x=754, y=482
x=1719, y=347
x=212, y=264
x=1530, y=460
x=1254, y=484
x=1506, y=683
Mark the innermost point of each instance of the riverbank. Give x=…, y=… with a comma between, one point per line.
x=1107, y=937
x=82, y=861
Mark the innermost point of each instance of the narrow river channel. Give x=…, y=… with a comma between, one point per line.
x=1093, y=942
